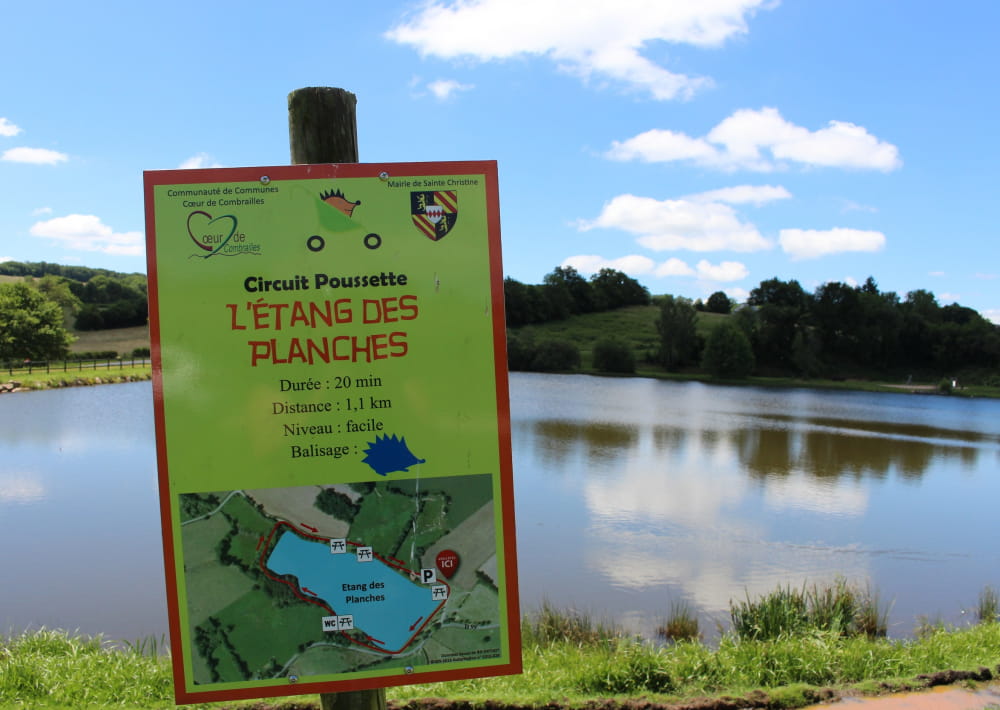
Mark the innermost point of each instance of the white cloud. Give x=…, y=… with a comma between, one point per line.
x=444, y=88
x=991, y=314
x=39, y=211
x=7, y=128
x=816, y=496
x=588, y=38
x=637, y=265
x=744, y=194
x=814, y=243
x=6, y=258
x=198, y=161
x=674, y=267
x=852, y=206
x=763, y=141
x=724, y=271
x=985, y=276
x=87, y=232
x=740, y=295
x=38, y=156
x=679, y=224
x=632, y=265
x=21, y=488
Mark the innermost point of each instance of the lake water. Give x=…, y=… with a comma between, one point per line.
x=632, y=494
x=386, y=605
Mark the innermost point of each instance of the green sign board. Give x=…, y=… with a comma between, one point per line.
x=332, y=422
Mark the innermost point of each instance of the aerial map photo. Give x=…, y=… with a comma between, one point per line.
x=320, y=580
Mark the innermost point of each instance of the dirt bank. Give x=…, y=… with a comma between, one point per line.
x=935, y=691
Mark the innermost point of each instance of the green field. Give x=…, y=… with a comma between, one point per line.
x=383, y=520
x=121, y=340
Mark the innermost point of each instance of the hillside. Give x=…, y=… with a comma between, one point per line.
x=121, y=340
x=634, y=325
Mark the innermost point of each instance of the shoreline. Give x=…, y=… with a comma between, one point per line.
x=48, y=381
x=32, y=383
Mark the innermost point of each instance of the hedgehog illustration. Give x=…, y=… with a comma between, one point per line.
x=336, y=199
x=390, y=453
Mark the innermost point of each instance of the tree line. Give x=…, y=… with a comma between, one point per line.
x=37, y=311
x=840, y=329
x=564, y=292
x=91, y=299
x=837, y=331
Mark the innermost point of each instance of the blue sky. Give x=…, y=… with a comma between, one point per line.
x=697, y=146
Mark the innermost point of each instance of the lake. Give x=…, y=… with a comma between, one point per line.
x=632, y=495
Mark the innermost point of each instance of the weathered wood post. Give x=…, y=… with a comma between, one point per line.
x=322, y=125
x=323, y=128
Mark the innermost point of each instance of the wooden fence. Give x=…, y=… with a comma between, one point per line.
x=48, y=366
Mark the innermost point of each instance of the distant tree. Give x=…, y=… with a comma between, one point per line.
x=555, y=356
x=781, y=309
x=879, y=329
x=719, y=302
x=566, y=279
x=837, y=316
x=920, y=316
x=520, y=352
x=31, y=326
x=613, y=355
x=517, y=303
x=336, y=504
x=614, y=289
x=727, y=352
x=679, y=341
x=57, y=289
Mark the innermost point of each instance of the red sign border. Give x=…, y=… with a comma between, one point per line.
x=488, y=170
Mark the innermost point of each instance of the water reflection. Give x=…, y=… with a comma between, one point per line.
x=602, y=442
x=21, y=488
x=78, y=512
x=649, y=491
x=630, y=494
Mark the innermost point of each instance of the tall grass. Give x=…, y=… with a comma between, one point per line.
x=49, y=667
x=681, y=623
x=988, y=610
x=839, y=609
x=550, y=625
x=569, y=659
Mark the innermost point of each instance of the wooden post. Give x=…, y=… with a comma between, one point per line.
x=353, y=700
x=323, y=128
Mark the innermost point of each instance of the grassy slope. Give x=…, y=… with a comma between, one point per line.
x=121, y=340
x=636, y=325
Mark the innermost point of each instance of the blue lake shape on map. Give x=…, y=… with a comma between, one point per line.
x=326, y=574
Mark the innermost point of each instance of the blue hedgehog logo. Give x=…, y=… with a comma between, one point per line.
x=388, y=454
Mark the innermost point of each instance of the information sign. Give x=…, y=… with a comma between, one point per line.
x=332, y=423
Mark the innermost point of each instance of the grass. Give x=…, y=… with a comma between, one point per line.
x=71, y=377
x=569, y=659
x=635, y=325
x=988, y=610
x=121, y=340
x=839, y=609
x=550, y=625
x=681, y=623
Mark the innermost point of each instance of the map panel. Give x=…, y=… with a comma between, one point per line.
x=402, y=601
